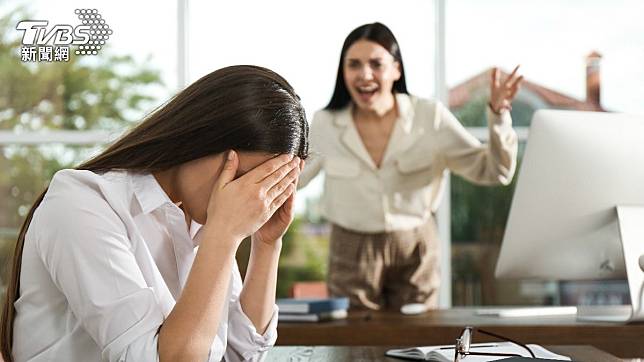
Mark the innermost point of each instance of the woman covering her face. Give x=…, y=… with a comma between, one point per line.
x=384, y=153
x=131, y=256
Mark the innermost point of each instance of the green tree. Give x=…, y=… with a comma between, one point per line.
x=104, y=91
x=479, y=213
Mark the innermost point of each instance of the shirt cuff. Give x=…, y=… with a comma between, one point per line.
x=243, y=336
x=501, y=118
x=501, y=125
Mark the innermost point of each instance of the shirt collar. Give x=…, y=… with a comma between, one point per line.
x=148, y=191
x=405, y=112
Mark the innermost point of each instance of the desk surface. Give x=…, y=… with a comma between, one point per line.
x=444, y=326
x=364, y=353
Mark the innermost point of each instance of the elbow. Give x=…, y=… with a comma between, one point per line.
x=506, y=175
x=504, y=180
x=183, y=349
x=492, y=176
x=182, y=353
x=506, y=168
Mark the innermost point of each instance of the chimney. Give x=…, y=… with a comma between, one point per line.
x=592, y=78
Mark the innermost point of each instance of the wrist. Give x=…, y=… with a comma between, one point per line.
x=491, y=106
x=498, y=110
x=222, y=234
x=271, y=246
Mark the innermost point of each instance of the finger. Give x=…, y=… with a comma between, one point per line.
x=288, y=206
x=281, y=198
x=495, y=78
x=279, y=187
x=302, y=164
x=515, y=88
x=276, y=177
x=516, y=82
x=511, y=95
x=285, y=212
x=512, y=75
x=230, y=169
x=290, y=202
x=259, y=173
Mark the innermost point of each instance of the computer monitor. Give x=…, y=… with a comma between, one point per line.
x=577, y=168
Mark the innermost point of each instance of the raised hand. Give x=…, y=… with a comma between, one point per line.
x=503, y=92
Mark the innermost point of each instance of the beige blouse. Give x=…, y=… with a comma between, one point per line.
x=427, y=140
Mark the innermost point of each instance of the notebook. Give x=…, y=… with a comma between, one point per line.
x=310, y=306
x=314, y=317
x=446, y=353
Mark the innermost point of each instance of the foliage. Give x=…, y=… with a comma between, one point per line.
x=479, y=213
x=102, y=92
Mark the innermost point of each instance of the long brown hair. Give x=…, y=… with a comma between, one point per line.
x=246, y=108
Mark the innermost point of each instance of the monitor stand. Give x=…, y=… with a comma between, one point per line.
x=631, y=229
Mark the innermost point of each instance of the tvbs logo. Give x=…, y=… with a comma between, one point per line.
x=90, y=36
x=36, y=33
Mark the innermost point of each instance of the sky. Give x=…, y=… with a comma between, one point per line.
x=301, y=40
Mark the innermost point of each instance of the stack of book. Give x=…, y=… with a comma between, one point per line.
x=312, y=310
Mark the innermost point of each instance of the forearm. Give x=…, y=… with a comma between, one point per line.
x=503, y=144
x=189, y=330
x=258, y=294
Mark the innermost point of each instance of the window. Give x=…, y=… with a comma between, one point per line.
x=591, y=63
x=93, y=99
x=55, y=114
x=302, y=41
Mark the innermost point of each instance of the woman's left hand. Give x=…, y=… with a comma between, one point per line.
x=273, y=230
x=502, y=93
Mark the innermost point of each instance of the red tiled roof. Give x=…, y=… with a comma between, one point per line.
x=461, y=94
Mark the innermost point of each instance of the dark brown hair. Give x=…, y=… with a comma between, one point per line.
x=246, y=108
x=377, y=33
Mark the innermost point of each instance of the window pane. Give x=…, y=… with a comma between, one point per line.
x=132, y=72
x=301, y=40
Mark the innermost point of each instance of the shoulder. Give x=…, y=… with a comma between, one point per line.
x=421, y=106
x=426, y=113
x=79, y=205
x=72, y=188
x=433, y=113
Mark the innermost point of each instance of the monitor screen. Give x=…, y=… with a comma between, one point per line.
x=577, y=167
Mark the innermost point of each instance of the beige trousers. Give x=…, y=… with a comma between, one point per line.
x=385, y=270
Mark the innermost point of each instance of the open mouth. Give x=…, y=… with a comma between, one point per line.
x=367, y=91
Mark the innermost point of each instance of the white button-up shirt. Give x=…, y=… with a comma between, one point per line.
x=402, y=193
x=105, y=258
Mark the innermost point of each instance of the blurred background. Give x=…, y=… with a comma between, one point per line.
x=577, y=55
